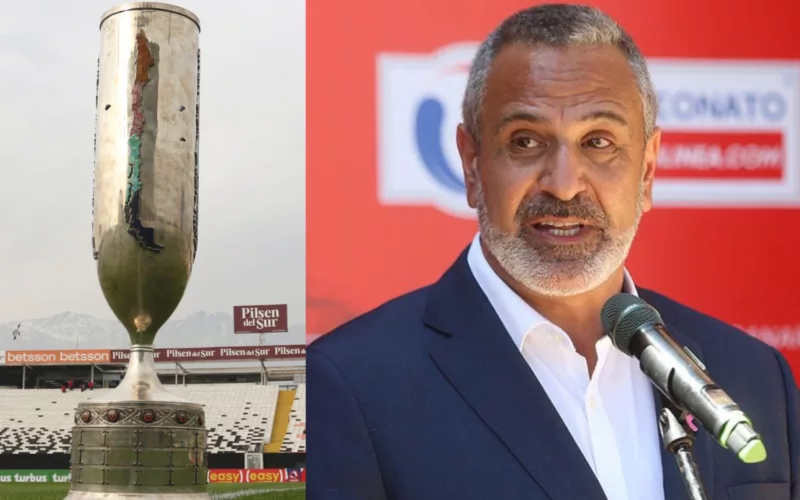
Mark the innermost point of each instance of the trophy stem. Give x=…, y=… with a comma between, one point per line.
x=141, y=382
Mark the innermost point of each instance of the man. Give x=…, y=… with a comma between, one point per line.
x=497, y=382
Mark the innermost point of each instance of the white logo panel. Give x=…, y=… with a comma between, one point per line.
x=737, y=123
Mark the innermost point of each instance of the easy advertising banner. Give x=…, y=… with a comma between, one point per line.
x=389, y=189
x=214, y=476
x=257, y=476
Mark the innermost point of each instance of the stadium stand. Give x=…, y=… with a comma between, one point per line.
x=240, y=417
x=295, y=439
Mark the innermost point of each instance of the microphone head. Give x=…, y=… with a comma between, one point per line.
x=622, y=315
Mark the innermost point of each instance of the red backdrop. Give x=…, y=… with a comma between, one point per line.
x=729, y=252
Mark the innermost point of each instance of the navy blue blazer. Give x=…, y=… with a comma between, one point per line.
x=428, y=398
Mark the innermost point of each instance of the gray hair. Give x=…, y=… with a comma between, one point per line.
x=556, y=25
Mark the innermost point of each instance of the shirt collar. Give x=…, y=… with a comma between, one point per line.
x=517, y=316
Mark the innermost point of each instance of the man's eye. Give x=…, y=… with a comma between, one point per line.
x=598, y=143
x=524, y=142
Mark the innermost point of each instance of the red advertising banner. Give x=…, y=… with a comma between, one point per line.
x=260, y=319
x=257, y=476
x=728, y=190
x=237, y=353
x=186, y=354
x=720, y=156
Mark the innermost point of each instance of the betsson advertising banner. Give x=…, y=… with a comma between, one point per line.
x=388, y=189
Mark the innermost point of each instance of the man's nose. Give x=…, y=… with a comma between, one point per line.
x=563, y=175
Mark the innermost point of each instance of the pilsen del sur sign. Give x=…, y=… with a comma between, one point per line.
x=260, y=319
x=234, y=353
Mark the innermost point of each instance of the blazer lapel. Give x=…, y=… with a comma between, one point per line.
x=477, y=356
x=674, y=487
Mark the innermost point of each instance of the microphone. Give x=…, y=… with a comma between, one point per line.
x=636, y=329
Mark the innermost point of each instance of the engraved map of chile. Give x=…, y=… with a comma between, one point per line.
x=133, y=201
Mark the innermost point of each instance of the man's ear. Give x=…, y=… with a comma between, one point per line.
x=649, y=168
x=468, y=151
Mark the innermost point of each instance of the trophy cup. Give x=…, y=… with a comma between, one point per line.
x=141, y=441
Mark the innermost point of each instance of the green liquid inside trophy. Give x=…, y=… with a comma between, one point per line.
x=143, y=442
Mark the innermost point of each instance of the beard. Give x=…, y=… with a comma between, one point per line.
x=558, y=270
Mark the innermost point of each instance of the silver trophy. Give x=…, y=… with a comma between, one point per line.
x=142, y=441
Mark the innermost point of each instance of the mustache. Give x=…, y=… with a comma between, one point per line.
x=546, y=205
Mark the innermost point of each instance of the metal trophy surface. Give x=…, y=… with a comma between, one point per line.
x=141, y=441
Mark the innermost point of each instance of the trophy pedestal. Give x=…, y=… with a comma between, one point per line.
x=142, y=442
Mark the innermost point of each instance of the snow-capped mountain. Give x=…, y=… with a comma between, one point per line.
x=69, y=330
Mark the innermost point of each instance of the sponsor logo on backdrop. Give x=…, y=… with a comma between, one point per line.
x=782, y=337
x=260, y=319
x=419, y=107
x=730, y=131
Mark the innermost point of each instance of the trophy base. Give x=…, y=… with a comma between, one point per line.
x=141, y=446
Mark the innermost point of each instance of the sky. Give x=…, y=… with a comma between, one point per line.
x=251, y=246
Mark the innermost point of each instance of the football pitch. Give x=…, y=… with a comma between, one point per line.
x=265, y=491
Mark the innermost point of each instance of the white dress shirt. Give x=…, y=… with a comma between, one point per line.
x=611, y=415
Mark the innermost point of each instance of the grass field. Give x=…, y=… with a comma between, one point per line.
x=265, y=491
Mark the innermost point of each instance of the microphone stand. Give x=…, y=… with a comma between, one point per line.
x=678, y=439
